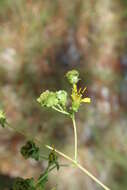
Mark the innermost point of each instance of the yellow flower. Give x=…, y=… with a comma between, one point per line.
x=77, y=98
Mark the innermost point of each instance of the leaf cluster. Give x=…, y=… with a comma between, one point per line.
x=30, y=150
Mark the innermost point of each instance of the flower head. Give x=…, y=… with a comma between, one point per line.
x=77, y=98
x=2, y=118
x=62, y=97
x=51, y=99
x=48, y=99
x=73, y=76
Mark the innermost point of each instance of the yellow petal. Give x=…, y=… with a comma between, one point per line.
x=84, y=90
x=86, y=100
x=79, y=91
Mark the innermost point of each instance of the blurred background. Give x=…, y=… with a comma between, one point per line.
x=41, y=40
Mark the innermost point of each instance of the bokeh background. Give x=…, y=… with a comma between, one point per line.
x=41, y=40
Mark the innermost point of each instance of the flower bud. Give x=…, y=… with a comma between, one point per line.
x=48, y=99
x=53, y=159
x=73, y=76
x=75, y=105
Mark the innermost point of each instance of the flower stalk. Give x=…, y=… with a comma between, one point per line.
x=75, y=137
x=60, y=110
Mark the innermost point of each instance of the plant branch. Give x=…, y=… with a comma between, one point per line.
x=61, y=111
x=60, y=107
x=80, y=167
x=75, y=136
x=48, y=170
x=66, y=157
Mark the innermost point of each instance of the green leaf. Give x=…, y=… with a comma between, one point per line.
x=24, y=184
x=2, y=118
x=30, y=150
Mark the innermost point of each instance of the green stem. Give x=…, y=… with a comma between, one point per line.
x=60, y=107
x=48, y=169
x=80, y=167
x=28, y=137
x=61, y=111
x=46, y=173
x=75, y=137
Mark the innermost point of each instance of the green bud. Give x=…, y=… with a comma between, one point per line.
x=73, y=76
x=30, y=150
x=62, y=97
x=43, y=98
x=2, y=118
x=24, y=184
x=53, y=159
x=48, y=99
x=75, y=105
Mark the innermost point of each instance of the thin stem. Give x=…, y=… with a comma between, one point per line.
x=46, y=173
x=28, y=137
x=75, y=136
x=80, y=167
x=49, y=170
x=60, y=107
x=61, y=111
